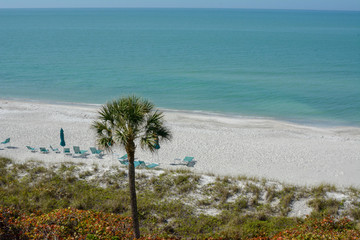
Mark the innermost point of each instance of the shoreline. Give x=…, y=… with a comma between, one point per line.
x=263, y=148
x=319, y=123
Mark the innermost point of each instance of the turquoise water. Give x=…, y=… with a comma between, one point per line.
x=300, y=66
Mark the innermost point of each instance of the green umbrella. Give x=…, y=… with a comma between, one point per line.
x=157, y=145
x=62, y=138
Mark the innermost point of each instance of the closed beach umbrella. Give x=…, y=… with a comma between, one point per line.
x=62, y=138
x=157, y=145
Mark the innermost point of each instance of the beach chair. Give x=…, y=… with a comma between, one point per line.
x=139, y=164
x=67, y=151
x=191, y=164
x=80, y=153
x=125, y=157
x=5, y=142
x=188, y=161
x=142, y=164
x=151, y=165
x=124, y=162
x=43, y=150
x=97, y=152
x=31, y=149
x=54, y=149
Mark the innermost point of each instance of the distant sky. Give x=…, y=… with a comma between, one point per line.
x=262, y=4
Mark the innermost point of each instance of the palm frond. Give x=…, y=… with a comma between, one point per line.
x=154, y=130
x=124, y=120
x=148, y=142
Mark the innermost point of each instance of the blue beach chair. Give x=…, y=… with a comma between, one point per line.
x=188, y=161
x=5, y=142
x=54, y=149
x=43, y=150
x=138, y=163
x=31, y=149
x=67, y=151
x=80, y=153
x=143, y=164
x=97, y=152
x=123, y=162
x=152, y=165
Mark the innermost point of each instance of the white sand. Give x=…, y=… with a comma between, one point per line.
x=225, y=146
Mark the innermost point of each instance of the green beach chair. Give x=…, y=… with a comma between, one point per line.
x=43, y=150
x=136, y=163
x=54, y=149
x=31, y=149
x=124, y=162
x=6, y=141
x=139, y=164
x=125, y=157
x=80, y=153
x=188, y=161
x=67, y=151
x=142, y=164
x=97, y=152
x=152, y=165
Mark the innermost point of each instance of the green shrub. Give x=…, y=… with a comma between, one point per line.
x=286, y=197
x=202, y=226
x=255, y=226
x=355, y=212
x=4, y=162
x=322, y=207
x=237, y=206
x=271, y=193
x=321, y=190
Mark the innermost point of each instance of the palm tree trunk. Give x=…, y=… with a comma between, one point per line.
x=132, y=189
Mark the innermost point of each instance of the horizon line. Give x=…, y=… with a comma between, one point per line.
x=225, y=8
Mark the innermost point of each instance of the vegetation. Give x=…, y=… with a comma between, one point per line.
x=64, y=224
x=326, y=228
x=123, y=122
x=80, y=224
x=92, y=202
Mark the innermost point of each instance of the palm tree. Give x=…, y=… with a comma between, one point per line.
x=124, y=122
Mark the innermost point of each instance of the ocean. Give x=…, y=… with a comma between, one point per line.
x=299, y=66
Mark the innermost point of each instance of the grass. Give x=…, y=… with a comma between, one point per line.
x=271, y=193
x=354, y=212
x=322, y=189
x=172, y=203
x=324, y=207
x=287, y=196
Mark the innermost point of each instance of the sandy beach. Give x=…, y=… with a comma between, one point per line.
x=283, y=151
